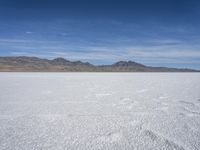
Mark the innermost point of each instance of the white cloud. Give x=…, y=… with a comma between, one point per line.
x=28, y=32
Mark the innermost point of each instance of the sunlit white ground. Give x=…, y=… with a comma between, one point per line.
x=56, y=111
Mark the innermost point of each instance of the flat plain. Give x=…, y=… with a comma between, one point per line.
x=136, y=111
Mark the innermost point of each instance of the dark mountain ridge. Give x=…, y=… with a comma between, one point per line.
x=34, y=64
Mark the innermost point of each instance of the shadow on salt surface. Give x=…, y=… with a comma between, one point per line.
x=157, y=141
x=190, y=113
x=189, y=108
x=135, y=136
x=187, y=103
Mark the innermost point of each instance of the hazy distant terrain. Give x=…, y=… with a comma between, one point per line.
x=85, y=111
x=34, y=64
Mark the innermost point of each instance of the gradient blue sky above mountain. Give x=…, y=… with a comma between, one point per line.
x=152, y=32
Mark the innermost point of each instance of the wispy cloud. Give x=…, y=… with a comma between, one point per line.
x=28, y=32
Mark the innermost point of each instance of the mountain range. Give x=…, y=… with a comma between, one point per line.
x=35, y=64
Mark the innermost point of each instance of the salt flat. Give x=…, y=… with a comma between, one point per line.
x=56, y=111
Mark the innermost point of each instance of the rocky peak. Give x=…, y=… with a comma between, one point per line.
x=60, y=61
x=127, y=64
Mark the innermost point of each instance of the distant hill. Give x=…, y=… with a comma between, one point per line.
x=35, y=64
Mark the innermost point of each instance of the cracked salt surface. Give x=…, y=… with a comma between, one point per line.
x=138, y=111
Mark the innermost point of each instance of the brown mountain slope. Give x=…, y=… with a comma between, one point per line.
x=35, y=64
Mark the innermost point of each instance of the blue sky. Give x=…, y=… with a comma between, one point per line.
x=152, y=32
